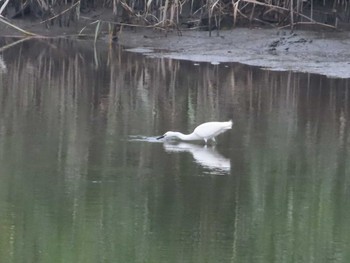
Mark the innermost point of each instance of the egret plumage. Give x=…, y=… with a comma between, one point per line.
x=206, y=131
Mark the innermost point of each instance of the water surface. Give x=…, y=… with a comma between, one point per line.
x=82, y=178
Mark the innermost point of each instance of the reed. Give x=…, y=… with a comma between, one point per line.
x=175, y=14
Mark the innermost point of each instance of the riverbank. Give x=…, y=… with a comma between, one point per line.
x=321, y=52
x=325, y=53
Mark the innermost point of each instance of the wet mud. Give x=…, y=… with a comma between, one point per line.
x=325, y=53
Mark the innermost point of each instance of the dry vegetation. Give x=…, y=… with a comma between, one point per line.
x=175, y=14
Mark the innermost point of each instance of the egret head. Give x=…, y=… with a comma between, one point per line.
x=168, y=135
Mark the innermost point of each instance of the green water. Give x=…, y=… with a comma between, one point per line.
x=83, y=180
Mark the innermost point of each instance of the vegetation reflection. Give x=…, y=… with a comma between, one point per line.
x=73, y=188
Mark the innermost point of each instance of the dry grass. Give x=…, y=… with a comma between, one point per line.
x=169, y=14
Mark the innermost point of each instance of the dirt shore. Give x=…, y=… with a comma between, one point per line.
x=321, y=52
x=326, y=53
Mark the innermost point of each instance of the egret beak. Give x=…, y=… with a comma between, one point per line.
x=160, y=137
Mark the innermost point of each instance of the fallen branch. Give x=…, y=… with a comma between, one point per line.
x=3, y=7
x=64, y=11
x=17, y=28
x=255, y=19
x=121, y=24
x=3, y=48
x=312, y=21
x=309, y=23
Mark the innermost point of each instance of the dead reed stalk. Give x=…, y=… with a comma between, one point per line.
x=174, y=13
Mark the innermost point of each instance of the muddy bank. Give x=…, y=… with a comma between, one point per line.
x=325, y=53
x=321, y=52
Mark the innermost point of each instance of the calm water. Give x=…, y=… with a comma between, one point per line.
x=82, y=178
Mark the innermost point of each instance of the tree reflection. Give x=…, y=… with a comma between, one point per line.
x=73, y=187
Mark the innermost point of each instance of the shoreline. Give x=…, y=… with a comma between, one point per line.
x=325, y=53
x=321, y=52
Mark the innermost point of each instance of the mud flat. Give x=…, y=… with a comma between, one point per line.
x=326, y=53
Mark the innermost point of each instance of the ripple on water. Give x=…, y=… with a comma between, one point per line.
x=142, y=138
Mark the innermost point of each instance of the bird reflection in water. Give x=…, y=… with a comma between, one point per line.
x=3, y=68
x=205, y=156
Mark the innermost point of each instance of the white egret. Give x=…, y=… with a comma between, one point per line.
x=205, y=131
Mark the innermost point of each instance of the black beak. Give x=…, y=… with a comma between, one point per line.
x=160, y=137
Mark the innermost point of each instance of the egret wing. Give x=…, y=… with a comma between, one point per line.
x=211, y=129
